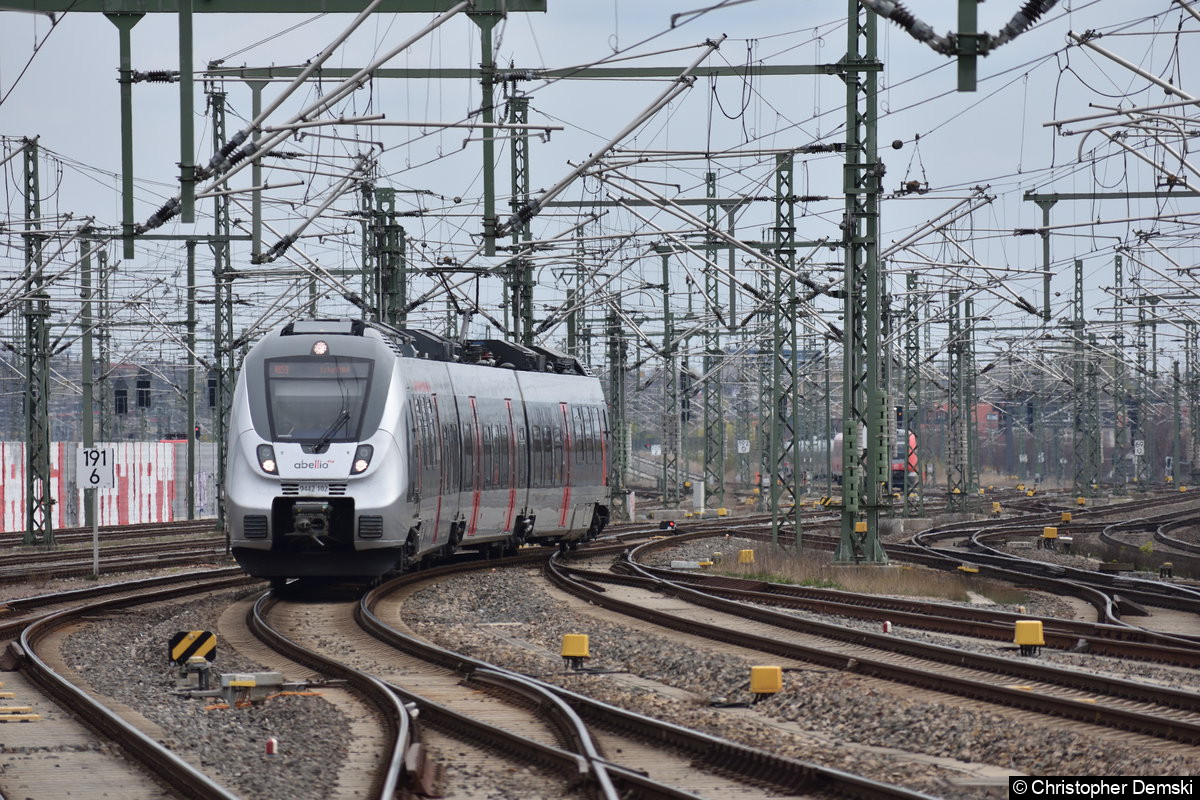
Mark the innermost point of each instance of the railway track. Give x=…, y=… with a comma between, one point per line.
x=676, y=761
x=113, y=533
x=984, y=623
x=1155, y=711
x=179, y=775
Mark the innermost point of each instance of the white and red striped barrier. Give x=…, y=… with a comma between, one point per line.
x=149, y=485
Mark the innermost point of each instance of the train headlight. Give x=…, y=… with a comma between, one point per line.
x=266, y=459
x=320, y=348
x=362, y=458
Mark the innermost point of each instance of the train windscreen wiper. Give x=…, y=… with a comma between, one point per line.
x=327, y=436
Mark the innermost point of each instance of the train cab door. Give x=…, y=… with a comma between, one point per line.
x=433, y=477
x=473, y=448
x=509, y=472
x=563, y=457
x=450, y=439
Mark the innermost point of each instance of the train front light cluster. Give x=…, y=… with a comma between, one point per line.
x=362, y=458
x=266, y=459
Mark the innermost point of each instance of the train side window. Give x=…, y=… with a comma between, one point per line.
x=585, y=434
x=535, y=454
x=597, y=431
x=414, y=453
x=494, y=472
x=522, y=459
x=542, y=455
x=449, y=459
x=468, y=456
x=486, y=478
x=556, y=456
x=505, y=458
x=590, y=420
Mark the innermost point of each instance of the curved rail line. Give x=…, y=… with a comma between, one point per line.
x=1162, y=720
x=396, y=717
x=751, y=765
x=985, y=623
x=169, y=767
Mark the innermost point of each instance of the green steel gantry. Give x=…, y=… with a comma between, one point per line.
x=1121, y=444
x=865, y=473
x=39, y=498
x=520, y=277
x=962, y=472
x=1192, y=376
x=224, y=366
x=1085, y=382
x=914, y=482
x=618, y=428
x=782, y=463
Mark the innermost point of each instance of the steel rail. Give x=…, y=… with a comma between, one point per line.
x=11, y=629
x=396, y=717
x=80, y=569
x=1068, y=678
x=751, y=764
x=1152, y=724
x=1058, y=633
x=169, y=767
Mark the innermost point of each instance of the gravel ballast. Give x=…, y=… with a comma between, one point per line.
x=507, y=617
x=125, y=658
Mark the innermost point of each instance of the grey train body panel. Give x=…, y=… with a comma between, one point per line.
x=358, y=450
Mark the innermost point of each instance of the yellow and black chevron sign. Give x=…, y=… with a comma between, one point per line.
x=187, y=644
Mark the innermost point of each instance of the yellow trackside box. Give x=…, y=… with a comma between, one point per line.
x=860, y=526
x=995, y=507
x=745, y=556
x=722, y=512
x=766, y=680
x=1028, y=632
x=1081, y=501
x=1049, y=533
x=1065, y=517
x=575, y=645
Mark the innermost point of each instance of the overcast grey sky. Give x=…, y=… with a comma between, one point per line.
x=952, y=141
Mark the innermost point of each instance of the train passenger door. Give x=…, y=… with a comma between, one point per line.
x=510, y=475
x=452, y=454
x=563, y=460
x=435, y=471
x=472, y=440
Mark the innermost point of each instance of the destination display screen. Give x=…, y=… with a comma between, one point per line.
x=317, y=398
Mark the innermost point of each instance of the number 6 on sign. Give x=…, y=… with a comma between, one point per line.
x=94, y=467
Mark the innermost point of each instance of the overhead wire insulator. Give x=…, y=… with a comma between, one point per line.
x=1024, y=19
x=155, y=76
x=169, y=209
x=220, y=162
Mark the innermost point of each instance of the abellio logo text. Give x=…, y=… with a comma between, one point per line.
x=314, y=464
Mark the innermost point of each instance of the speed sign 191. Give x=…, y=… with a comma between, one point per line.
x=94, y=467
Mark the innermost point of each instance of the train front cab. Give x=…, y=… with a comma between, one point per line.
x=314, y=477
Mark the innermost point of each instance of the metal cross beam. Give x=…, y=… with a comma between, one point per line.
x=259, y=6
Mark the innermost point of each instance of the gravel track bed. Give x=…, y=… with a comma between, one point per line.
x=508, y=617
x=125, y=658
x=47, y=585
x=1038, y=604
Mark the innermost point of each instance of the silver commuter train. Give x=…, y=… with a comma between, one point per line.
x=356, y=450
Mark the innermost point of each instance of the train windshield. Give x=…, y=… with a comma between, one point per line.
x=317, y=399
